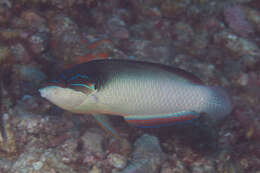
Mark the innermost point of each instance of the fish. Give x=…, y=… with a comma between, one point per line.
x=145, y=94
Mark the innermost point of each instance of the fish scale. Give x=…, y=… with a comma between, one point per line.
x=152, y=96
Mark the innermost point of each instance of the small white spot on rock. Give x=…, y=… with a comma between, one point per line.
x=37, y=165
x=117, y=160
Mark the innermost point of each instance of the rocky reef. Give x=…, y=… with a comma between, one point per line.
x=216, y=40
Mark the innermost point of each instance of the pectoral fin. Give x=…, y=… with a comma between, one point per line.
x=149, y=121
x=104, y=122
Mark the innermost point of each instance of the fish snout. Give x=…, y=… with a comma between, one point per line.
x=44, y=92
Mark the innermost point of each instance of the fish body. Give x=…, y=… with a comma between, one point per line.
x=145, y=94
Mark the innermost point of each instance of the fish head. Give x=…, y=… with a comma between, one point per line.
x=68, y=92
x=65, y=98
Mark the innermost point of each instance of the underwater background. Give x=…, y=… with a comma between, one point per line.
x=216, y=40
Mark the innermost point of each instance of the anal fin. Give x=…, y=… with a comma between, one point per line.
x=150, y=121
x=104, y=122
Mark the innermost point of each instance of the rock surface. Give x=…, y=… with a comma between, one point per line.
x=216, y=40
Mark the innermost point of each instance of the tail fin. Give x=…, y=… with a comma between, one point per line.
x=220, y=102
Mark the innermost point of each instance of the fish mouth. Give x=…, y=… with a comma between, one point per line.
x=43, y=92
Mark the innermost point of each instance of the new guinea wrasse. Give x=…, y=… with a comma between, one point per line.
x=145, y=94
